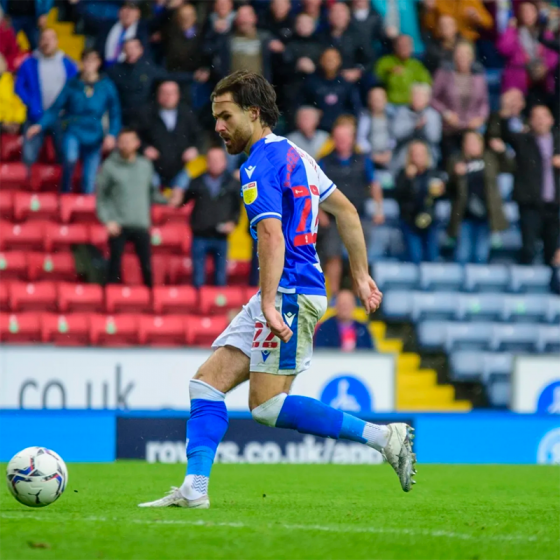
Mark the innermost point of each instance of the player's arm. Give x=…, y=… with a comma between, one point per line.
x=350, y=229
x=272, y=247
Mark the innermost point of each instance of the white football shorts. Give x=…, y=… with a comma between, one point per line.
x=268, y=354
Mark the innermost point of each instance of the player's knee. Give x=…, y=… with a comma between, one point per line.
x=267, y=413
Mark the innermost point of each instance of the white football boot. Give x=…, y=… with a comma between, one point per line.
x=174, y=498
x=398, y=453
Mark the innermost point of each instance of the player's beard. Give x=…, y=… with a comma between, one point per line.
x=238, y=139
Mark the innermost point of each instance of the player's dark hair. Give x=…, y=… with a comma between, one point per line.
x=250, y=90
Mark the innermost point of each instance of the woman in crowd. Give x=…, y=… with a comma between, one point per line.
x=418, y=186
x=460, y=94
x=477, y=209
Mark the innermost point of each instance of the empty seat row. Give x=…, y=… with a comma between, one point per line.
x=161, y=300
x=470, y=278
x=479, y=366
x=519, y=308
x=11, y=146
x=493, y=337
x=72, y=208
x=82, y=329
x=51, y=237
x=60, y=266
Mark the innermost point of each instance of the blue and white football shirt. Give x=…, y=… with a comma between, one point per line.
x=281, y=181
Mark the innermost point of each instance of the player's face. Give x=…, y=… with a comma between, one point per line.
x=232, y=123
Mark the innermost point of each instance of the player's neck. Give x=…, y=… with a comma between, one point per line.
x=258, y=134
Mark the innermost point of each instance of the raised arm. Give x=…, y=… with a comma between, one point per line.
x=350, y=229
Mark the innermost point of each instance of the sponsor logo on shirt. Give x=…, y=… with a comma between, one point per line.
x=250, y=192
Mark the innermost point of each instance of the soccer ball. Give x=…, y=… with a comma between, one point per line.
x=36, y=476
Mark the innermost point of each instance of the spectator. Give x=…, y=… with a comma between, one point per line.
x=553, y=44
x=214, y=216
x=342, y=331
x=8, y=44
x=29, y=16
x=512, y=103
x=530, y=66
x=125, y=191
x=278, y=20
x=330, y=92
x=471, y=16
x=221, y=19
x=477, y=209
x=314, y=9
x=356, y=55
x=169, y=133
x=134, y=79
x=83, y=101
x=400, y=17
x=441, y=46
x=368, y=23
x=353, y=173
x=399, y=71
x=537, y=183
x=40, y=80
x=307, y=136
x=374, y=128
x=112, y=37
x=12, y=110
x=417, y=188
x=461, y=96
x=418, y=121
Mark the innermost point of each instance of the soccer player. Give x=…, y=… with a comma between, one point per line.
x=271, y=340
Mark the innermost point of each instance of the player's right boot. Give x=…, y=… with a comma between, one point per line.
x=174, y=498
x=398, y=453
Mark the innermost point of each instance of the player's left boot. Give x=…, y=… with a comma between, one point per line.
x=398, y=453
x=174, y=498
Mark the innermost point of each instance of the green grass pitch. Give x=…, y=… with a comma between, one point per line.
x=294, y=511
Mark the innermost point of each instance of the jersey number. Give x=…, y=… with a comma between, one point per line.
x=305, y=237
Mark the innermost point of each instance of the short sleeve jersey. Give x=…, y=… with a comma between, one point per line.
x=283, y=182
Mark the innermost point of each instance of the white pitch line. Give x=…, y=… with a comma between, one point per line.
x=288, y=527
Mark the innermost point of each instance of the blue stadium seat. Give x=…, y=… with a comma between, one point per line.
x=467, y=336
x=514, y=338
x=505, y=185
x=486, y=278
x=443, y=211
x=397, y=304
x=391, y=210
x=433, y=306
x=548, y=339
x=529, y=308
x=395, y=276
x=496, y=363
x=511, y=210
x=479, y=307
x=499, y=390
x=466, y=366
x=510, y=240
x=441, y=276
x=553, y=309
x=530, y=279
x=431, y=334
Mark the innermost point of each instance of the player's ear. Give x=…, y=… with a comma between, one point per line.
x=254, y=113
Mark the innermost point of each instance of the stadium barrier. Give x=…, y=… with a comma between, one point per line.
x=535, y=385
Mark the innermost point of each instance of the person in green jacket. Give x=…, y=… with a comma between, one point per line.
x=399, y=71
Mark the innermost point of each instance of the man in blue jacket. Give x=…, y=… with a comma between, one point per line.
x=39, y=82
x=342, y=331
x=28, y=16
x=83, y=102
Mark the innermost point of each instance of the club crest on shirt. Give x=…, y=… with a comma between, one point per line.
x=250, y=192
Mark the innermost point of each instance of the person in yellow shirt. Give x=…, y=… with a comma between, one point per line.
x=471, y=16
x=12, y=110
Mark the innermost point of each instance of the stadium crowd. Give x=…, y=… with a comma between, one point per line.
x=404, y=103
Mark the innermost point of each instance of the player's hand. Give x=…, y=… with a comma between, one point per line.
x=497, y=145
x=276, y=324
x=556, y=161
x=109, y=144
x=151, y=153
x=33, y=131
x=189, y=154
x=369, y=293
x=113, y=229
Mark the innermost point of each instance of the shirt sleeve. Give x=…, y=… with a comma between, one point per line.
x=262, y=193
x=370, y=170
x=326, y=186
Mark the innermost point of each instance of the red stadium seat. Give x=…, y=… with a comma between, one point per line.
x=25, y=237
x=117, y=330
x=162, y=214
x=33, y=297
x=202, y=331
x=61, y=237
x=13, y=176
x=132, y=274
x=125, y=299
x=171, y=239
x=65, y=330
x=99, y=237
x=80, y=298
x=238, y=272
x=174, y=300
x=4, y=296
x=44, y=266
x=78, y=208
x=6, y=205
x=162, y=331
x=20, y=328
x=48, y=153
x=13, y=265
x=216, y=301
x=35, y=206
x=180, y=270
x=45, y=177
x=10, y=147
